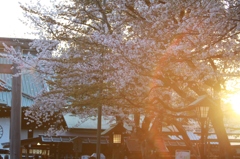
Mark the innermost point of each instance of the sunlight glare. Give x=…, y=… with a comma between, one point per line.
x=235, y=102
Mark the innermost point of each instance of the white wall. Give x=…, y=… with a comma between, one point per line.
x=5, y=123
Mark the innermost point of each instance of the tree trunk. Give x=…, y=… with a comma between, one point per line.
x=216, y=117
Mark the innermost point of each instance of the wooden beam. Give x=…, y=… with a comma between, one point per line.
x=15, y=42
x=6, y=68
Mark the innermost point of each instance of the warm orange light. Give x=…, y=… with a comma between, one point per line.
x=117, y=138
x=235, y=102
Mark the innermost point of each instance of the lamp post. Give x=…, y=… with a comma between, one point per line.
x=202, y=112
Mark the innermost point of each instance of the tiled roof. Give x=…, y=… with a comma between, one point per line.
x=109, y=129
x=30, y=87
x=6, y=99
x=74, y=121
x=57, y=138
x=212, y=138
x=52, y=139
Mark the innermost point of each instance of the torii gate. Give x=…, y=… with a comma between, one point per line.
x=15, y=120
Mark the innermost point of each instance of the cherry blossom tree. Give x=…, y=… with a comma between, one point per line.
x=151, y=57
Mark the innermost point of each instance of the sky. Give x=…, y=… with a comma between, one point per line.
x=10, y=25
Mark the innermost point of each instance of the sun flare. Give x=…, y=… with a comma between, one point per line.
x=235, y=102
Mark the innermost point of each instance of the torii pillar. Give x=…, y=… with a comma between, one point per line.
x=16, y=112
